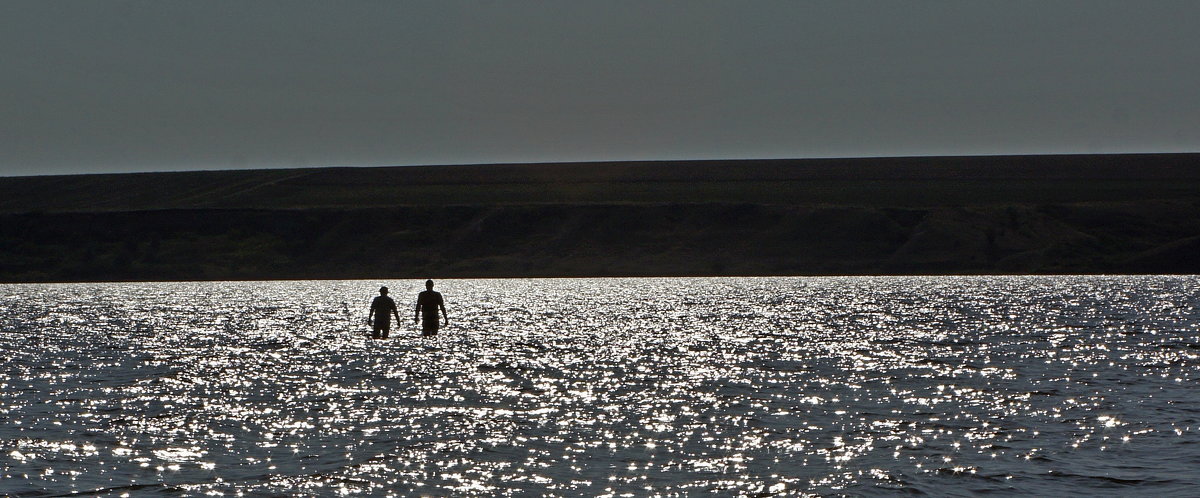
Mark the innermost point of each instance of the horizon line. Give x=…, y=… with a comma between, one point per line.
x=619, y=161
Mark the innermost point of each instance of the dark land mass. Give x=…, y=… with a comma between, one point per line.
x=935, y=215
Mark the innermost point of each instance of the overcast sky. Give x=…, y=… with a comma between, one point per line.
x=105, y=86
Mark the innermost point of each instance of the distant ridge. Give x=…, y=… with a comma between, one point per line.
x=1129, y=213
x=596, y=181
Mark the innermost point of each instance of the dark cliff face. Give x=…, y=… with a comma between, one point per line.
x=773, y=218
x=555, y=240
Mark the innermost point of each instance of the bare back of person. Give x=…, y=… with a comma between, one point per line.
x=428, y=304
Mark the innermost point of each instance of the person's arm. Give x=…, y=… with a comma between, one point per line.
x=442, y=305
x=417, y=318
x=371, y=313
x=396, y=313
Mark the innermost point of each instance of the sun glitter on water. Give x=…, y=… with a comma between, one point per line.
x=1039, y=385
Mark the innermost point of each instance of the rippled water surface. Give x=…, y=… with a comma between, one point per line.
x=944, y=385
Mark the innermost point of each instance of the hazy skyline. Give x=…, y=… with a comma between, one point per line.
x=167, y=85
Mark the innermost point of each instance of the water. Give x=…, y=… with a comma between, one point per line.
x=943, y=385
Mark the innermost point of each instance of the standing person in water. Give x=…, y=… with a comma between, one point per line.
x=428, y=303
x=379, y=310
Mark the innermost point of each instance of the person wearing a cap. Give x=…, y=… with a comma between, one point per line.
x=379, y=310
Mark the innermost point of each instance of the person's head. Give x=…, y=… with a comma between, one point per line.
x=429, y=284
x=383, y=291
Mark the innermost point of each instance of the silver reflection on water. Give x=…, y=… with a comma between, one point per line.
x=1040, y=385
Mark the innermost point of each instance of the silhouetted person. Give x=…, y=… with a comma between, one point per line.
x=379, y=309
x=428, y=303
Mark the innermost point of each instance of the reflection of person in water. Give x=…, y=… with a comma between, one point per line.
x=428, y=303
x=379, y=310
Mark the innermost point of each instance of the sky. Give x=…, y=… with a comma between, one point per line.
x=157, y=85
